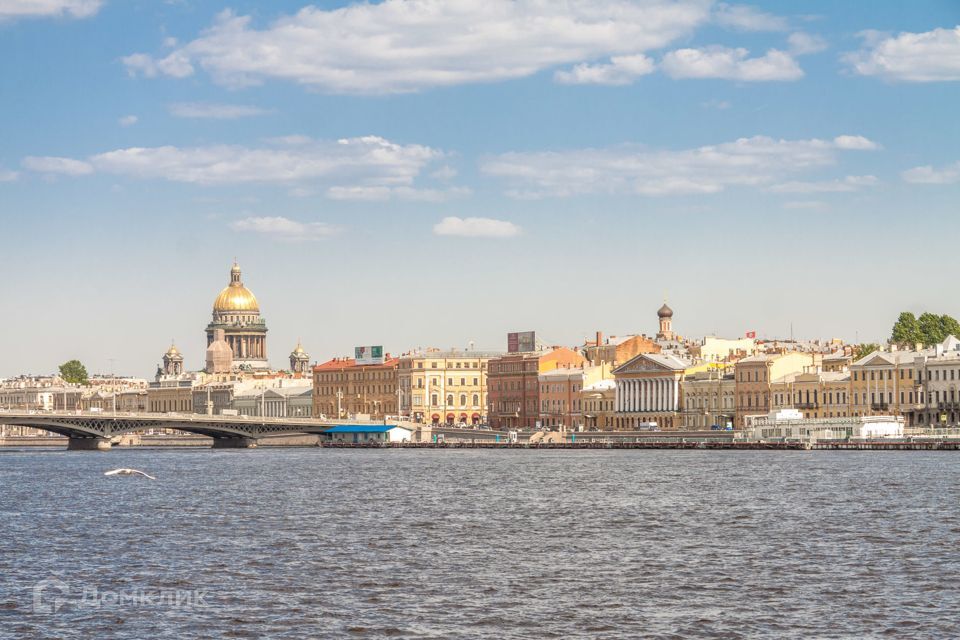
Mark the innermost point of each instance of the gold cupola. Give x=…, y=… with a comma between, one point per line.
x=235, y=297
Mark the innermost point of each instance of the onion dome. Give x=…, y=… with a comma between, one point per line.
x=665, y=311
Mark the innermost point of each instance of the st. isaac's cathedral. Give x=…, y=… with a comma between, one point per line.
x=236, y=336
x=237, y=313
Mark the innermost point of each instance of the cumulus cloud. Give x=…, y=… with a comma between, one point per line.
x=850, y=183
x=10, y=9
x=804, y=43
x=214, y=111
x=8, y=176
x=855, y=143
x=51, y=164
x=949, y=174
x=759, y=161
x=620, y=71
x=731, y=64
x=409, y=45
x=368, y=161
x=476, y=228
x=285, y=229
x=128, y=121
x=746, y=18
x=932, y=56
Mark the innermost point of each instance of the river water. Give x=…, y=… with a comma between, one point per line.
x=314, y=543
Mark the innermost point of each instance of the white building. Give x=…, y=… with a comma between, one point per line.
x=367, y=434
x=789, y=424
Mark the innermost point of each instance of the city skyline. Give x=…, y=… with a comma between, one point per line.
x=760, y=169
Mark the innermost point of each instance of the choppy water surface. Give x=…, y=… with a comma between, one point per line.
x=494, y=544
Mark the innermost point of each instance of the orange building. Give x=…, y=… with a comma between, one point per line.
x=616, y=350
x=341, y=388
x=513, y=385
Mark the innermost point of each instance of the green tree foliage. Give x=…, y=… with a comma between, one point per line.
x=928, y=329
x=906, y=331
x=74, y=372
x=863, y=350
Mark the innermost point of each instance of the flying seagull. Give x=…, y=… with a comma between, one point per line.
x=128, y=472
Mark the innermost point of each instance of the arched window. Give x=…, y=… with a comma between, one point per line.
x=476, y=400
x=449, y=399
x=463, y=399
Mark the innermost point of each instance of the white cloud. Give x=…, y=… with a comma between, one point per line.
x=408, y=45
x=748, y=162
x=804, y=43
x=446, y=172
x=855, y=143
x=621, y=70
x=745, y=18
x=949, y=174
x=850, y=183
x=128, y=121
x=476, y=228
x=10, y=9
x=285, y=229
x=214, y=111
x=50, y=164
x=382, y=193
x=931, y=56
x=8, y=176
x=730, y=64
x=366, y=161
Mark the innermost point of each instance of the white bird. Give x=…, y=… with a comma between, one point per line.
x=128, y=472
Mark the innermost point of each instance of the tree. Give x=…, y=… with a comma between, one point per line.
x=949, y=326
x=928, y=329
x=906, y=331
x=863, y=350
x=931, y=328
x=74, y=372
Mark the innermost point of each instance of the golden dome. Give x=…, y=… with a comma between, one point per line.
x=235, y=296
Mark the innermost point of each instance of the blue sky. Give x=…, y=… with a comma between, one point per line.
x=425, y=173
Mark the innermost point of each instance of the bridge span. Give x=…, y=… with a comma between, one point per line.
x=88, y=430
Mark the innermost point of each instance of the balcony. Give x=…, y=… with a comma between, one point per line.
x=807, y=405
x=879, y=406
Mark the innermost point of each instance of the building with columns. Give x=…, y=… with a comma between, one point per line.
x=237, y=312
x=648, y=390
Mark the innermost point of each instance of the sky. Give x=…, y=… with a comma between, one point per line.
x=417, y=173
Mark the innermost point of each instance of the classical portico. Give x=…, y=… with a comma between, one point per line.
x=648, y=390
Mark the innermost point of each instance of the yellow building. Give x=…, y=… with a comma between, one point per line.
x=814, y=392
x=599, y=405
x=709, y=398
x=444, y=386
x=883, y=383
x=755, y=376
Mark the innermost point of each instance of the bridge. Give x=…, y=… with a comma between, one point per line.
x=88, y=430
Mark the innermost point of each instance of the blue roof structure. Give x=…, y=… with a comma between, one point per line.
x=361, y=428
